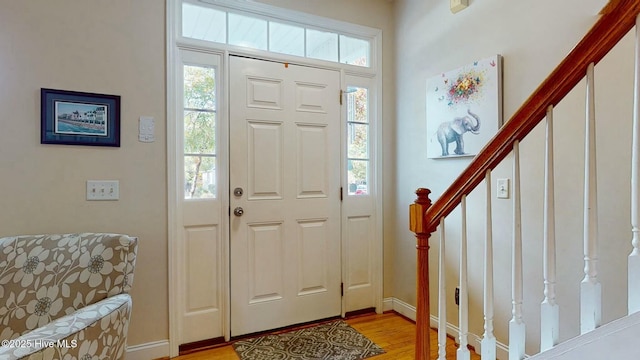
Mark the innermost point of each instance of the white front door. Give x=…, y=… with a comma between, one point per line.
x=285, y=224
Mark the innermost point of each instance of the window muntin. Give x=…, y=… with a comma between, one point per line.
x=221, y=25
x=358, y=158
x=199, y=128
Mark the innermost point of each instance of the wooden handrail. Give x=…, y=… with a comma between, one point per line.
x=617, y=18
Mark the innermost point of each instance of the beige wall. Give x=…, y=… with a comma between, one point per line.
x=110, y=47
x=533, y=37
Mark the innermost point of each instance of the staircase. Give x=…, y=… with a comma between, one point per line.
x=427, y=218
x=614, y=340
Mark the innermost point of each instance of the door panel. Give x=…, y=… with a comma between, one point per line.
x=313, y=172
x=285, y=152
x=202, y=294
x=265, y=160
x=265, y=262
x=312, y=257
x=264, y=93
x=359, y=257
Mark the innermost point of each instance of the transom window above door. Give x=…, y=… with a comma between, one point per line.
x=220, y=25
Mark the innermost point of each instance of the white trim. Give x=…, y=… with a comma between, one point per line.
x=401, y=307
x=224, y=151
x=376, y=54
x=150, y=350
x=173, y=211
x=409, y=311
x=387, y=304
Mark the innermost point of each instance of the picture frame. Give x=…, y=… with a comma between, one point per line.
x=464, y=109
x=79, y=118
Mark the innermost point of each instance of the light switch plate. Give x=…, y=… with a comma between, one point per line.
x=101, y=190
x=146, y=129
x=502, y=191
x=458, y=5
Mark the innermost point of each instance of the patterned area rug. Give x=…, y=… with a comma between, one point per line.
x=331, y=341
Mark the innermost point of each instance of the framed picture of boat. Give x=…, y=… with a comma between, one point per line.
x=79, y=118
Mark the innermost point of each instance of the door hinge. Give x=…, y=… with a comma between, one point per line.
x=341, y=196
x=341, y=289
x=341, y=94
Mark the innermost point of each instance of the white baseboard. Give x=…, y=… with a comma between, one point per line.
x=409, y=311
x=387, y=304
x=152, y=350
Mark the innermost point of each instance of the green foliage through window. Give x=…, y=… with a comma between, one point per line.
x=199, y=132
x=357, y=140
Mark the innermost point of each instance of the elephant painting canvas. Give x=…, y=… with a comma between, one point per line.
x=464, y=108
x=453, y=132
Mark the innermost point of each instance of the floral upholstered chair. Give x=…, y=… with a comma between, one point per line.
x=65, y=296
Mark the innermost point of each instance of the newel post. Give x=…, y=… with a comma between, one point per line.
x=418, y=225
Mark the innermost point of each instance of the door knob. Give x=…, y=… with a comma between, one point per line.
x=238, y=211
x=237, y=191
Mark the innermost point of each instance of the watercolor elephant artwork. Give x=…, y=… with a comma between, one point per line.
x=464, y=108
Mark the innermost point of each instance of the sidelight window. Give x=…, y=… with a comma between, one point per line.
x=358, y=159
x=199, y=127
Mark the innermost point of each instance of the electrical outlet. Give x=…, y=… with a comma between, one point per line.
x=100, y=190
x=457, y=296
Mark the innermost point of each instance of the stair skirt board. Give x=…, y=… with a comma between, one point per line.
x=617, y=335
x=409, y=311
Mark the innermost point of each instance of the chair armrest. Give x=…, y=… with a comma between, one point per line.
x=98, y=330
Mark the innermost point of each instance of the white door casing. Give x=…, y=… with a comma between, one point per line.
x=285, y=155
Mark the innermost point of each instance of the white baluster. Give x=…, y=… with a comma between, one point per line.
x=488, y=343
x=590, y=289
x=516, y=325
x=463, y=351
x=442, y=298
x=549, y=310
x=634, y=258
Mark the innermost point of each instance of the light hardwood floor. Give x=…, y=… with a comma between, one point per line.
x=394, y=333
